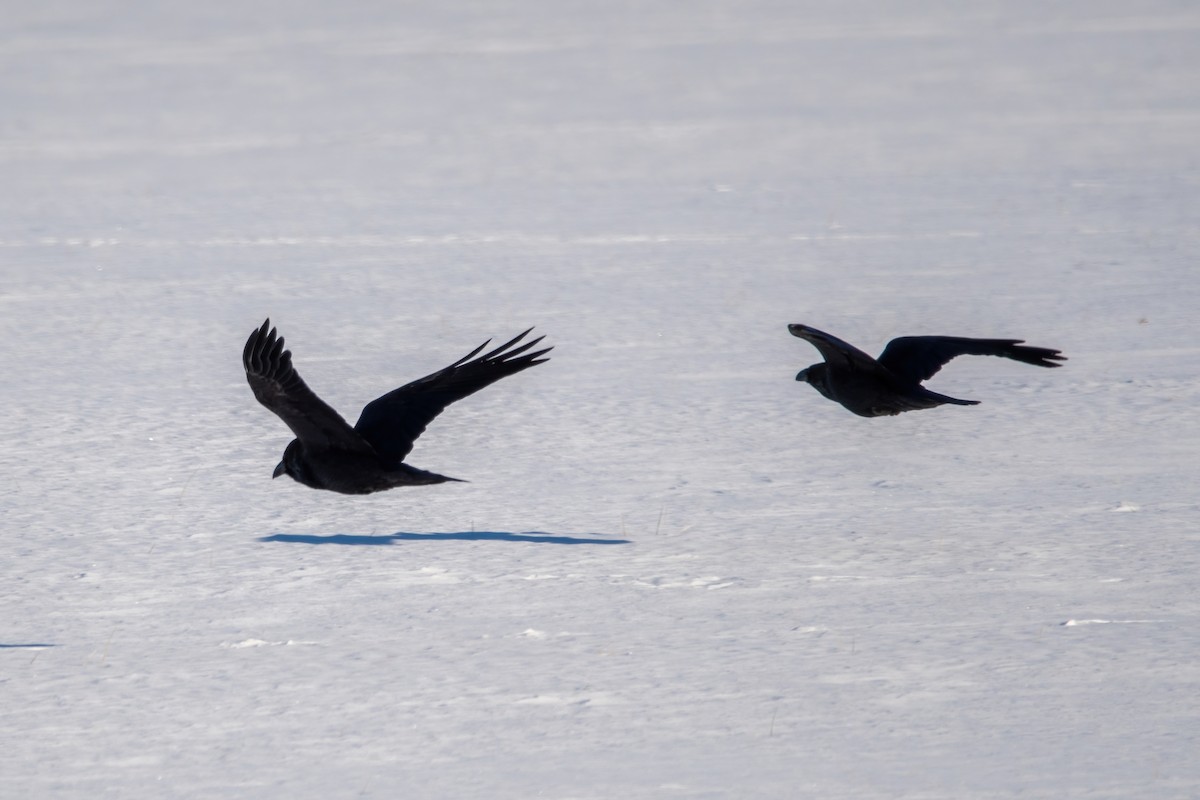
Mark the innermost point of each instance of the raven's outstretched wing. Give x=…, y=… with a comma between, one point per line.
x=278, y=386
x=833, y=349
x=393, y=422
x=918, y=358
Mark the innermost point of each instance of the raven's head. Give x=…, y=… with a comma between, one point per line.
x=816, y=377
x=291, y=455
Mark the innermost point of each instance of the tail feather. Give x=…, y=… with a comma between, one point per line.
x=939, y=398
x=412, y=476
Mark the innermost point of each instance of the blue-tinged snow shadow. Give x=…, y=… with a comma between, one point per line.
x=31, y=646
x=536, y=537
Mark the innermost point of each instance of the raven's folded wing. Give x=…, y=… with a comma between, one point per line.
x=393, y=422
x=918, y=358
x=278, y=386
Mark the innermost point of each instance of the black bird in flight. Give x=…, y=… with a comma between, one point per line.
x=892, y=384
x=328, y=454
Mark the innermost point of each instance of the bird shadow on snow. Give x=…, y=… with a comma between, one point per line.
x=31, y=646
x=467, y=536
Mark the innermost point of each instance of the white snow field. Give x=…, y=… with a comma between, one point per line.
x=675, y=572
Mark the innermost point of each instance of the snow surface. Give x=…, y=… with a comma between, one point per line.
x=675, y=573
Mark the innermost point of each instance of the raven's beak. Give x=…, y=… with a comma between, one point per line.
x=280, y=469
x=802, y=375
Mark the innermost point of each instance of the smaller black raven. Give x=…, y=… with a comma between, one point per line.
x=892, y=384
x=328, y=454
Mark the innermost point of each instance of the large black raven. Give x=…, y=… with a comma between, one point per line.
x=329, y=454
x=892, y=384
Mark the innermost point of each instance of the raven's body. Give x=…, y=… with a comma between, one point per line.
x=328, y=454
x=349, y=472
x=891, y=384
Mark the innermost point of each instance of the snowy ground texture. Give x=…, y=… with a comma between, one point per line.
x=675, y=573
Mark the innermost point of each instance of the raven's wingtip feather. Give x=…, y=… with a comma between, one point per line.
x=500, y=352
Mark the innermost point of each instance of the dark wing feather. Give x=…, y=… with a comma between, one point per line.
x=833, y=349
x=918, y=358
x=393, y=422
x=278, y=386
